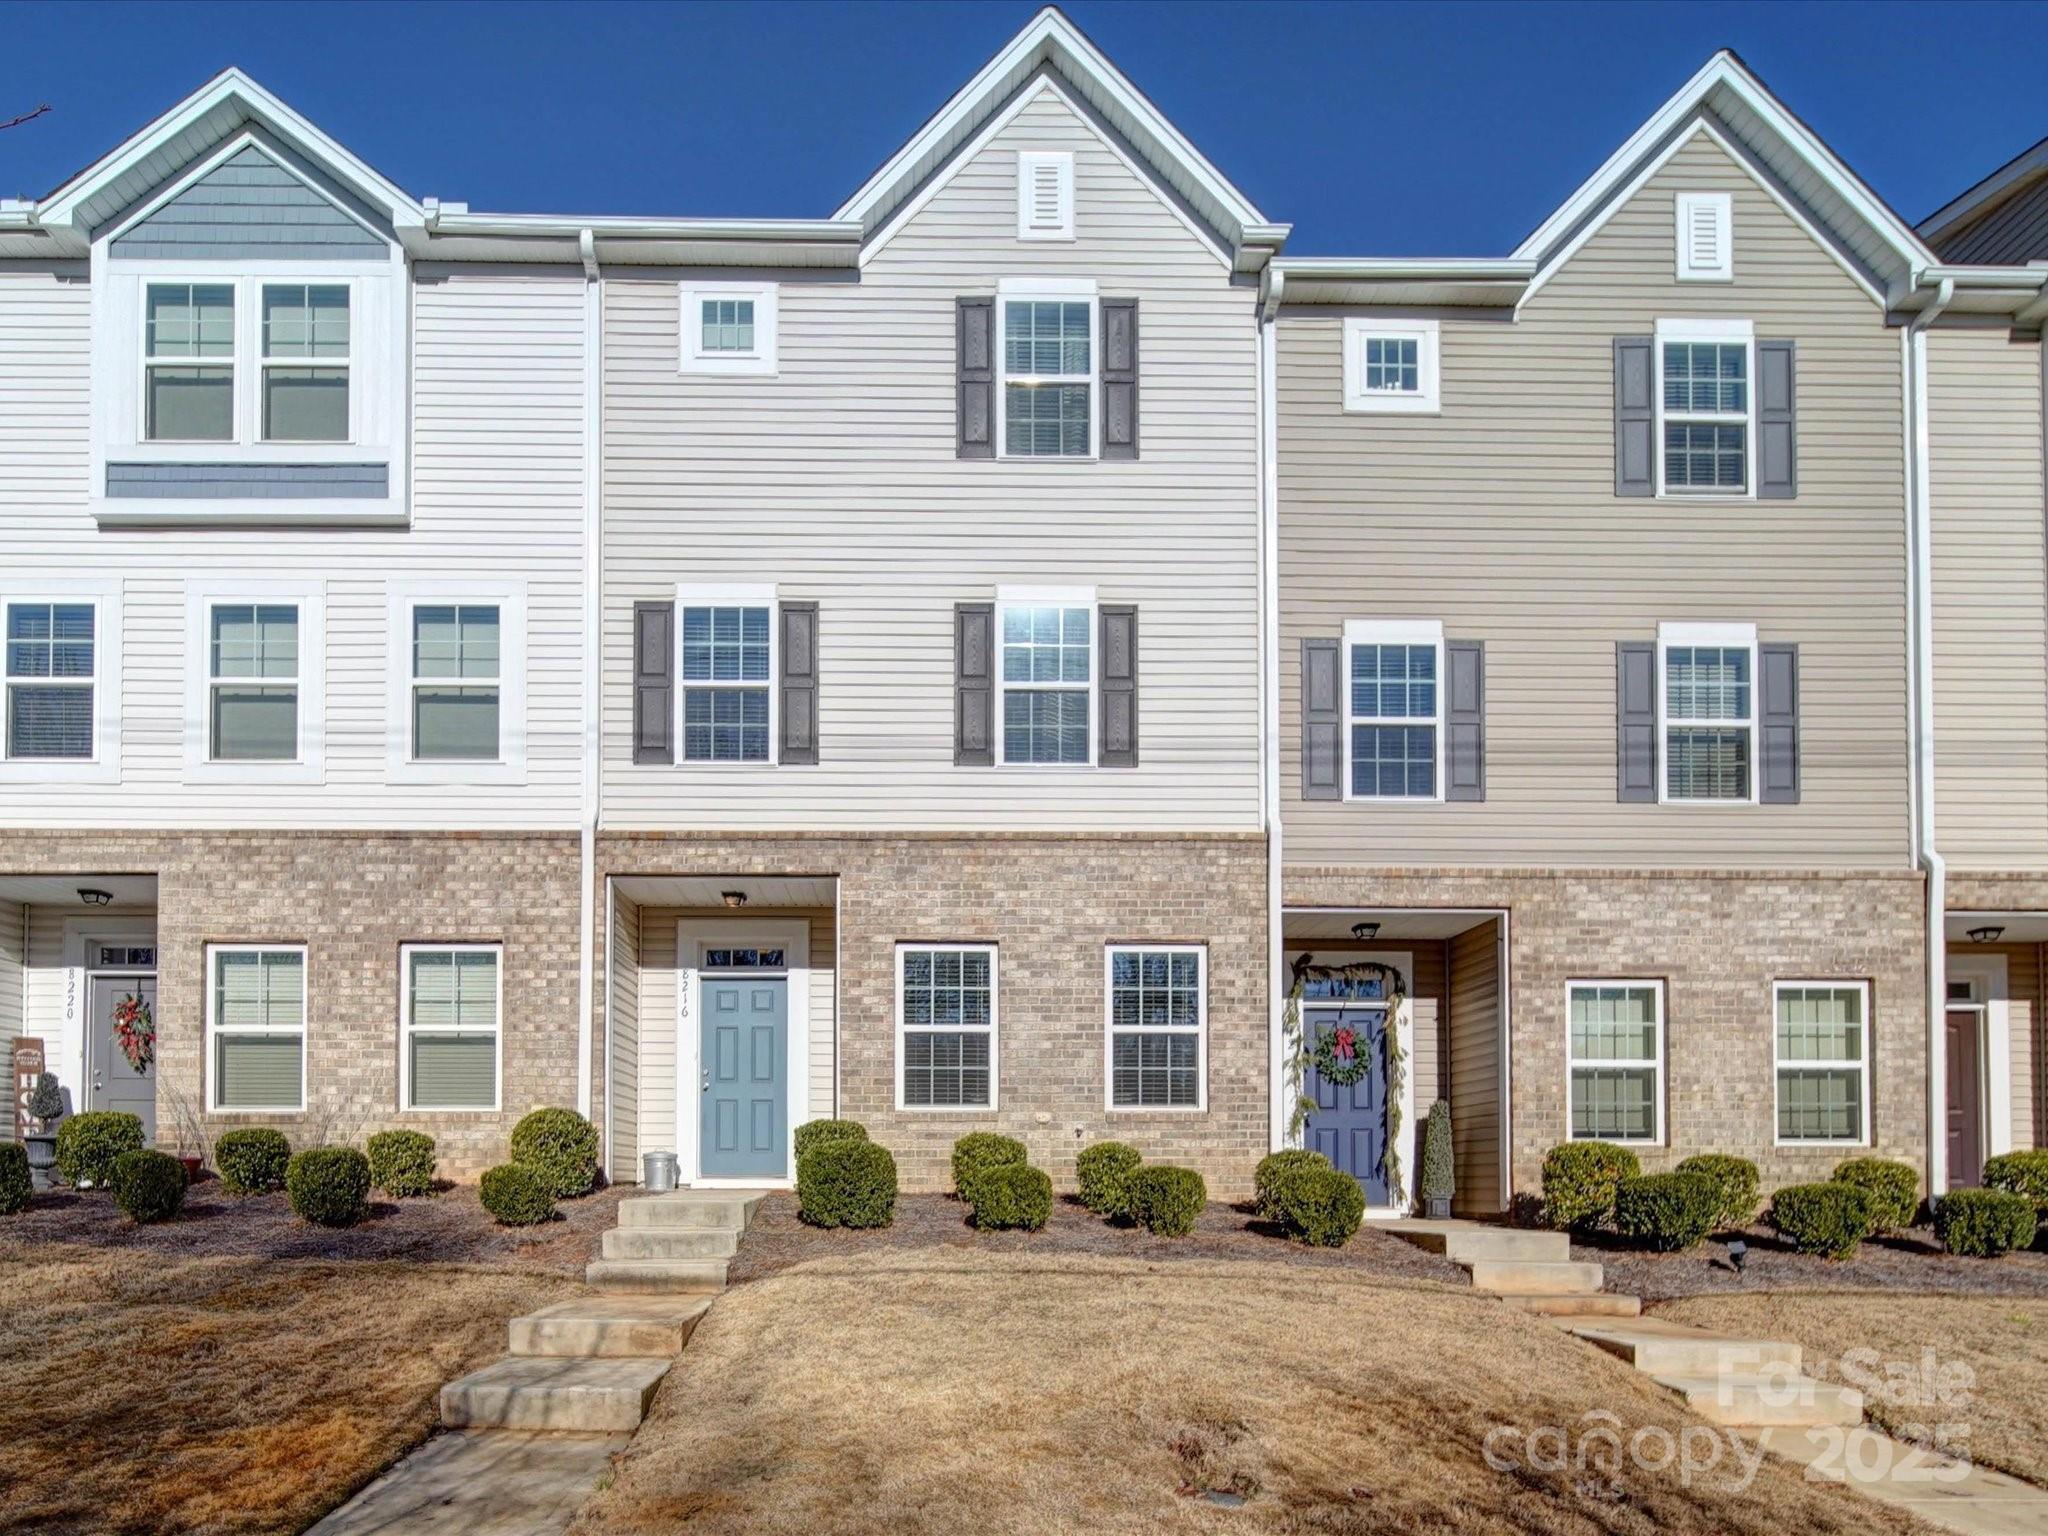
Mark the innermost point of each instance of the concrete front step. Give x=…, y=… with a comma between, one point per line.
x=1528, y=1277
x=1747, y=1401
x=609, y=1327
x=645, y=1277
x=1577, y=1304
x=1671, y=1349
x=1465, y=1241
x=689, y=1209
x=671, y=1243
x=586, y=1396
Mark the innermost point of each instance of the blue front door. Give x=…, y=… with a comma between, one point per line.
x=1347, y=1123
x=744, y=1037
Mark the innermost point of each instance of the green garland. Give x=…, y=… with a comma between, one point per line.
x=1299, y=1054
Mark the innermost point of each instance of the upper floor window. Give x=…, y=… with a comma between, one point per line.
x=1393, y=709
x=1391, y=365
x=195, y=349
x=728, y=328
x=305, y=363
x=253, y=683
x=1047, y=682
x=455, y=682
x=1048, y=370
x=52, y=676
x=1709, y=708
x=1705, y=406
x=728, y=672
x=188, y=366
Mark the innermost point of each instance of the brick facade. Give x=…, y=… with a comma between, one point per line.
x=1718, y=940
x=352, y=899
x=1050, y=903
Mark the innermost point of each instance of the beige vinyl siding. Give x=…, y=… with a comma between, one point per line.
x=1474, y=1062
x=1990, y=598
x=837, y=481
x=1498, y=517
x=498, y=494
x=623, y=1070
x=13, y=941
x=2023, y=982
x=2013, y=233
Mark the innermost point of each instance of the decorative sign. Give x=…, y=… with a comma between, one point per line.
x=28, y=1066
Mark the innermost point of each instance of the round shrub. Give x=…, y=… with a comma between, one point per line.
x=1828, y=1219
x=561, y=1147
x=1983, y=1223
x=844, y=1182
x=1275, y=1167
x=1579, y=1180
x=1736, y=1179
x=976, y=1153
x=1319, y=1206
x=402, y=1163
x=516, y=1195
x=2021, y=1173
x=1667, y=1212
x=809, y=1134
x=253, y=1161
x=149, y=1186
x=1167, y=1201
x=87, y=1145
x=1104, y=1172
x=15, y=1185
x=1893, y=1188
x=329, y=1186
x=1012, y=1196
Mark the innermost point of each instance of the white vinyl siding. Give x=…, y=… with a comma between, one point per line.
x=1158, y=1026
x=946, y=1026
x=451, y=1026
x=1822, y=1039
x=1615, y=1059
x=256, y=1027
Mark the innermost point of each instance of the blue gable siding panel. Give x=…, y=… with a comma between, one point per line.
x=246, y=481
x=249, y=206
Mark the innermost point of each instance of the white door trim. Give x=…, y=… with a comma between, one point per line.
x=1994, y=1006
x=81, y=935
x=693, y=934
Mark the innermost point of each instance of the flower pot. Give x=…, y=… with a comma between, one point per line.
x=192, y=1165
x=42, y=1158
x=1437, y=1207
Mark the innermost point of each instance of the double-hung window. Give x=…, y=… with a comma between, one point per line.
x=188, y=363
x=946, y=1026
x=256, y=1014
x=1158, y=1008
x=1615, y=1046
x=728, y=681
x=452, y=1007
x=1822, y=1037
x=305, y=363
x=1049, y=370
x=1393, y=709
x=455, y=682
x=200, y=339
x=52, y=680
x=253, y=682
x=1709, y=705
x=1706, y=407
x=1048, y=680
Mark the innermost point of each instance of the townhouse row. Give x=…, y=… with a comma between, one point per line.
x=1025, y=654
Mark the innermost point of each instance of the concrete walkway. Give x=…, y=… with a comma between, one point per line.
x=498, y=1482
x=1962, y=1497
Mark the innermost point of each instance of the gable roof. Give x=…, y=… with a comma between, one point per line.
x=2012, y=179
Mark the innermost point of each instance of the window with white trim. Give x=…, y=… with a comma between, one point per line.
x=1391, y=365
x=1393, y=710
x=728, y=682
x=1706, y=407
x=1822, y=1046
x=455, y=682
x=253, y=682
x=1614, y=1043
x=52, y=679
x=453, y=1005
x=305, y=362
x=1049, y=373
x=1158, y=1010
x=194, y=345
x=1045, y=194
x=729, y=328
x=188, y=363
x=1708, y=680
x=1048, y=682
x=1705, y=237
x=256, y=1018
x=946, y=1026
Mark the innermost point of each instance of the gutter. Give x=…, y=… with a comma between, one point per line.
x=593, y=407
x=1273, y=287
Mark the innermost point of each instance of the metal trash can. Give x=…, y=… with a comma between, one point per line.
x=658, y=1172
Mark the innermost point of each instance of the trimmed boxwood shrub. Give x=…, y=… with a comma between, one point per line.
x=252, y=1161
x=1319, y=1206
x=328, y=1186
x=1579, y=1180
x=402, y=1163
x=976, y=1153
x=1828, y=1219
x=88, y=1144
x=1012, y=1196
x=1983, y=1223
x=15, y=1185
x=811, y=1132
x=516, y=1195
x=1893, y=1188
x=1276, y=1167
x=1167, y=1201
x=844, y=1181
x=560, y=1146
x=2021, y=1173
x=1104, y=1173
x=1736, y=1180
x=149, y=1186
x=1667, y=1212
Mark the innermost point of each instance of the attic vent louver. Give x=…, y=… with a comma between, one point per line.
x=1045, y=195
x=1705, y=238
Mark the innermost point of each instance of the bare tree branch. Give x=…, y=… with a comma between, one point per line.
x=26, y=117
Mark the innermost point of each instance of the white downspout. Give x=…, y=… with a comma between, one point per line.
x=1920, y=678
x=593, y=318
x=1269, y=696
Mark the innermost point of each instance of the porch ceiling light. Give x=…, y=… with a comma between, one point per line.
x=733, y=898
x=94, y=898
x=1365, y=931
x=1990, y=933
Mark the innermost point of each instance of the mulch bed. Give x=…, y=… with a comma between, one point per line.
x=1909, y=1263
x=450, y=1227
x=775, y=1240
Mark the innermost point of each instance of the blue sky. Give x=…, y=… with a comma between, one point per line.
x=1448, y=129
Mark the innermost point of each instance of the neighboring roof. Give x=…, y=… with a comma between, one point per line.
x=1446, y=281
x=1942, y=227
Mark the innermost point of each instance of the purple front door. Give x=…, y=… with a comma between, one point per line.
x=1347, y=1123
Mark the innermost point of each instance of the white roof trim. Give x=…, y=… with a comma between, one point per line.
x=1987, y=194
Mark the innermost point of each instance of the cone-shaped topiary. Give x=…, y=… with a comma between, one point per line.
x=1439, y=1164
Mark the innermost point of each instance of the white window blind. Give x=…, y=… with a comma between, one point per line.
x=451, y=1027
x=259, y=1028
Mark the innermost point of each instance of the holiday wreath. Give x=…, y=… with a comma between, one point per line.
x=136, y=1028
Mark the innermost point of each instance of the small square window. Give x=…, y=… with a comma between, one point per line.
x=728, y=328
x=1391, y=366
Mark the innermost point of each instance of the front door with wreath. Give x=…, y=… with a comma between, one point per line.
x=1351, y=1060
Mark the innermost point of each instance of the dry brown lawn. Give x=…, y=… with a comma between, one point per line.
x=938, y=1392
x=2001, y=1342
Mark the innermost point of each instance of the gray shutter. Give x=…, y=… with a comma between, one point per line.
x=1322, y=720
x=1119, y=378
x=799, y=683
x=1635, y=720
x=1635, y=416
x=654, y=682
x=1118, y=687
x=1465, y=720
x=1778, y=723
x=974, y=684
x=1777, y=432
x=975, y=321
